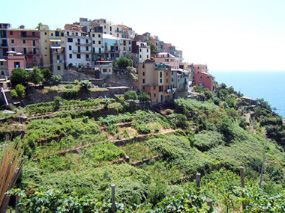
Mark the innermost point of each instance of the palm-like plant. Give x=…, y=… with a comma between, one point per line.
x=10, y=166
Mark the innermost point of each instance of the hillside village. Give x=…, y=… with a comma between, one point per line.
x=89, y=49
x=100, y=119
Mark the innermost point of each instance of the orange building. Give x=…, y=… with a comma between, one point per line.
x=155, y=79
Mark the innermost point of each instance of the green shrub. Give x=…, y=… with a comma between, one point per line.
x=14, y=93
x=21, y=90
x=130, y=95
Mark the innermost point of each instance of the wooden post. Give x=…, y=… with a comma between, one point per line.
x=210, y=204
x=242, y=183
x=113, y=198
x=198, y=179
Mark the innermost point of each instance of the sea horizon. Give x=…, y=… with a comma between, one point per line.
x=256, y=84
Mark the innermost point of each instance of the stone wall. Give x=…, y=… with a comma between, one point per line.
x=39, y=96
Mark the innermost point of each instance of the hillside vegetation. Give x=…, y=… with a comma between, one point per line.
x=74, y=151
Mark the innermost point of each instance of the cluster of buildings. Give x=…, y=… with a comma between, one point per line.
x=94, y=45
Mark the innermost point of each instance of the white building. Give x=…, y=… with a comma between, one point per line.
x=78, y=48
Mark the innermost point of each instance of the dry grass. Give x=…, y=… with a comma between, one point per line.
x=10, y=167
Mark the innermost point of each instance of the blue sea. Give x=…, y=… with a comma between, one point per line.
x=269, y=85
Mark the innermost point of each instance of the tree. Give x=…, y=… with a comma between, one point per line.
x=21, y=90
x=144, y=97
x=153, y=48
x=19, y=76
x=36, y=75
x=39, y=25
x=85, y=84
x=56, y=79
x=131, y=95
x=47, y=74
x=124, y=62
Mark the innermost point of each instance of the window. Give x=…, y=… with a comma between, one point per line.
x=99, y=35
x=12, y=41
x=208, y=76
x=34, y=43
x=58, y=57
x=16, y=64
x=167, y=74
x=67, y=33
x=201, y=77
x=2, y=73
x=58, y=67
x=34, y=50
x=56, y=33
x=160, y=88
x=166, y=80
x=160, y=80
x=86, y=41
x=45, y=41
x=146, y=50
x=11, y=32
x=87, y=48
x=143, y=88
x=62, y=34
x=25, y=50
x=1, y=63
x=140, y=50
x=154, y=94
x=143, y=73
x=104, y=26
x=87, y=56
x=70, y=55
x=70, y=47
x=143, y=81
x=45, y=33
x=160, y=74
x=140, y=56
x=110, y=28
x=93, y=49
x=147, y=56
x=13, y=49
x=24, y=41
x=93, y=42
x=69, y=40
x=93, y=35
x=99, y=42
x=78, y=56
x=154, y=87
x=171, y=79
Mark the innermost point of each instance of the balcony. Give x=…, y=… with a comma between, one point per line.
x=32, y=53
x=83, y=44
x=82, y=51
x=29, y=37
x=3, y=45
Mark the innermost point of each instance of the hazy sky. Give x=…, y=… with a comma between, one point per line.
x=225, y=34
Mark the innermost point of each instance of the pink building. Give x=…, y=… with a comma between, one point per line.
x=200, y=68
x=202, y=77
x=27, y=42
x=167, y=59
x=15, y=61
x=166, y=46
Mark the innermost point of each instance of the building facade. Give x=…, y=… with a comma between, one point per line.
x=155, y=80
x=4, y=39
x=27, y=42
x=167, y=59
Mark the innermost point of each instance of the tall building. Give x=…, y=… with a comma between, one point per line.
x=52, y=49
x=167, y=59
x=27, y=42
x=154, y=79
x=4, y=39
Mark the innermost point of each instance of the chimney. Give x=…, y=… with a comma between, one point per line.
x=22, y=27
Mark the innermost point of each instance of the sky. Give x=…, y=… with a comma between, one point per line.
x=224, y=34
